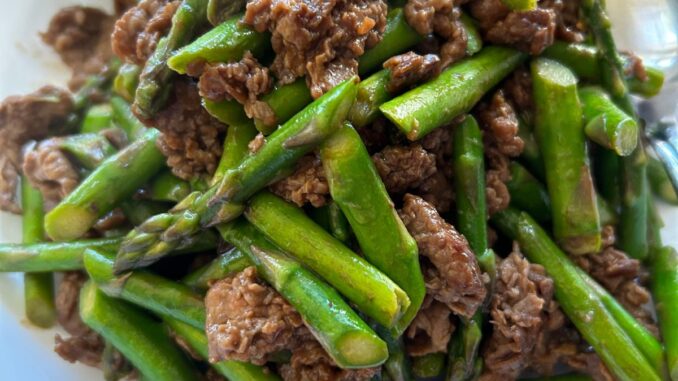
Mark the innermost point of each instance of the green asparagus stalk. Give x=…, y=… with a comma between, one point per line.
x=363, y=284
x=332, y=219
x=232, y=370
x=474, y=41
x=38, y=287
x=560, y=133
x=97, y=118
x=528, y=194
x=345, y=337
x=49, y=256
x=665, y=291
x=520, y=5
x=231, y=262
x=225, y=43
x=126, y=82
x=397, y=367
x=167, y=187
x=228, y=112
x=124, y=118
x=580, y=303
x=454, y=92
x=285, y=101
x=89, y=150
x=155, y=78
x=659, y=181
x=583, y=60
x=531, y=155
x=356, y=187
x=464, y=344
x=428, y=366
x=94, y=85
x=372, y=93
x=117, y=178
x=146, y=290
x=110, y=364
x=606, y=174
x=606, y=124
x=138, y=337
x=138, y=211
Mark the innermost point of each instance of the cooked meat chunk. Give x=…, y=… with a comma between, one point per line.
x=531, y=31
x=81, y=37
x=568, y=25
x=84, y=345
x=410, y=68
x=437, y=190
x=121, y=6
x=500, y=122
x=137, y=32
x=22, y=118
x=248, y=320
x=518, y=89
x=431, y=329
x=48, y=169
x=440, y=17
x=310, y=362
x=589, y=363
x=439, y=143
x=496, y=192
x=243, y=81
x=111, y=220
x=190, y=136
x=255, y=144
x=306, y=185
x=404, y=167
x=634, y=66
x=523, y=293
x=454, y=277
x=321, y=40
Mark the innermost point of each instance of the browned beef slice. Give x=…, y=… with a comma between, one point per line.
x=81, y=36
x=431, y=329
x=137, y=32
x=404, y=167
x=518, y=89
x=569, y=27
x=306, y=185
x=190, y=136
x=409, y=69
x=321, y=40
x=22, y=118
x=454, y=277
x=248, y=320
x=49, y=170
x=310, y=362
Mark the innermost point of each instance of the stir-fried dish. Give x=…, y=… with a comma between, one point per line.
x=343, y=190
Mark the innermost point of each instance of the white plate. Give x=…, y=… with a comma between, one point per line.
x=26, y=64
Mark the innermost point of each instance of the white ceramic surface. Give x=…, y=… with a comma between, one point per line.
x=26, y=64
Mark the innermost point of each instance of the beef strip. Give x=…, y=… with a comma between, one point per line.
x=431, y=329
x=190, y=135
x=249, y=321
x=81, y=37
x=306, y=185
x=321, y=40
x=518, y=91
x=310, y=362
x=255, y=144
x=48, y=169
x=137, y=32
x=244, y=81
x=84, y=345
x=569, y=27
x=404, y=167
x=453, y=276
x=410, y=68
x=23, y=118
x=438, y=189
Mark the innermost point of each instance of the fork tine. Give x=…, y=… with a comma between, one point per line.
x=668, y=155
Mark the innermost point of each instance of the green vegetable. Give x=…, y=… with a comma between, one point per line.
x=138, y=337
x=606, y=124
x=89, y=150
x=49, y=256
x=285, y=101
x=474, y=41
x=346, y=338
x=363, y=284
x=560, y=133
x=454, y=92
x=97, y=118
x=372, y=93
x=229, y=263
x=126, y=82
x=428, y=366
x=665, y=291
x=529, y=194
x=167, y=187
x=125, y=119
x=397, y=367
x=332, y=219
x=520, y=5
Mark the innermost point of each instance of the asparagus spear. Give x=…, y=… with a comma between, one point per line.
x=288, y=227
x=531, y=155
x=139, y=338
x=97, y=118
x=606, y=124
x=344, y=336
x=147, y=290
x=285, y=101
x=606, y=170
x=520, y=5
x=659, y=181
x=228, y=112
x=167, y=187
x=356, y=187
x=579, y=302
x=665, y=291
x=397, y=367
x=232, y=370
x=474, y=41
x=528, y=194
x=126, y=82
x=332, y=219
x=50, y=256
x=125, y=119
x=155, y=78
x=559, y=131
x=89, y=150
x=38, y=287
x=231, y=262
x=428, y=366
x=110, y=361
x=114, y=180
x=452, y=93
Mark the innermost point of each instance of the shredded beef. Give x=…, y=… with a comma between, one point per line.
x=255, y=144
x=497, y=175
x=306, y=185
x=634, y=66
x=190, y=136
x=431, y=329
x=437, y=190
x=321, y=40
x=568, y=25
x=84, y=345
x=454, y=277
x=137, y=32
x=48, y=169
x=310, y=362
x=500, y=122
x=110, y=221
x=243, y=81
x=410, y=68
x=248, y=320
x=531, y=31
x=404, y=167
x=518, y=89
x=81, y=37
x=22, y=118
